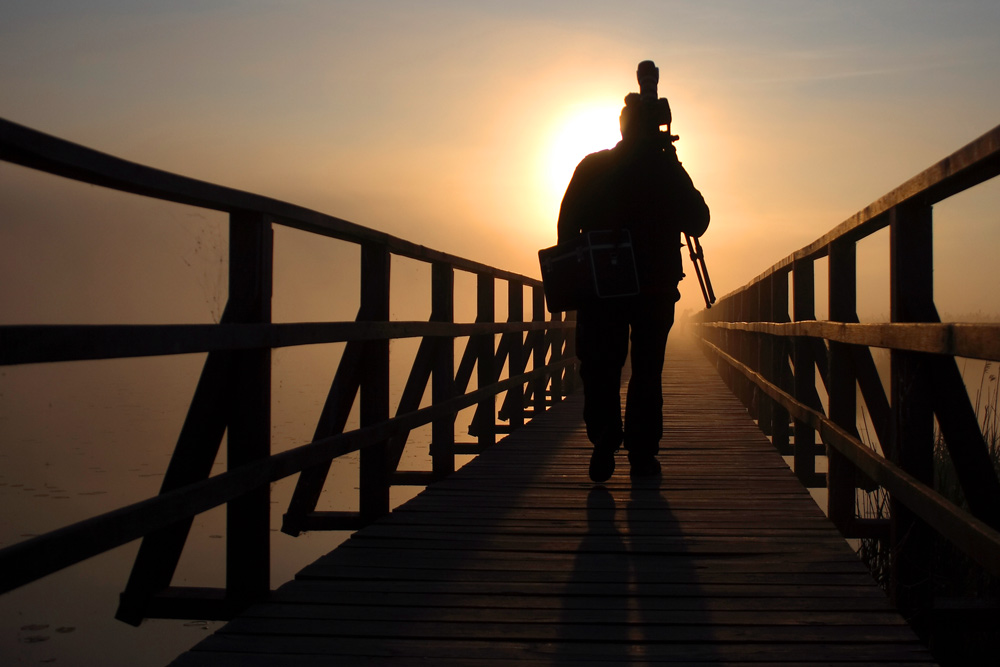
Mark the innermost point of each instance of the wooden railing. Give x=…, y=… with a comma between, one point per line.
x=770, y=357
x=233, y=395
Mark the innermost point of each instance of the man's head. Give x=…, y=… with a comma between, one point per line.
x=629, y=118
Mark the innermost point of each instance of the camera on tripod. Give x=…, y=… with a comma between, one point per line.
x=652, y=112
x=649, y=111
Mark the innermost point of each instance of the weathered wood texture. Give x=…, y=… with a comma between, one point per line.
x=518, y=558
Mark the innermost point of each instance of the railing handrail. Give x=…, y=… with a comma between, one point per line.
x=40, y=343
x=956, y=339
x=43, y=152
x=770, y=350
x=233, y=393
x=974, y=163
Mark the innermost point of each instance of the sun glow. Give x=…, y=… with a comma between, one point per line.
x=585, y=129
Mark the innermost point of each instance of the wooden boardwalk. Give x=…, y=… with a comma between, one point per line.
x=519, y=559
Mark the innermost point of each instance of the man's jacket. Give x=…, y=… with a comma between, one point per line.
x=645, y=190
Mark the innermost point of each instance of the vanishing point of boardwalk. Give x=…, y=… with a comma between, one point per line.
x=519, y=559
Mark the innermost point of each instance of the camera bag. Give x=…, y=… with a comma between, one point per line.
x=593, y=266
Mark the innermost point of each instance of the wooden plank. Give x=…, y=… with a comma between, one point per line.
x=473, y=598
x=694, y=632
x=519, y=557
x=592, y=613
x=633, y=648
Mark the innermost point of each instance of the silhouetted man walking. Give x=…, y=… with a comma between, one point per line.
x=640, y=186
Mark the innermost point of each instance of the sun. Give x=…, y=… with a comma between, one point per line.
x=584, y=129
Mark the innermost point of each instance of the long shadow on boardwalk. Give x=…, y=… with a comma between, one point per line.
x=518, y=558
x=617, y=606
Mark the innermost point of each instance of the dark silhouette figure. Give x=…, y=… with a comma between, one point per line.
x=639, y=186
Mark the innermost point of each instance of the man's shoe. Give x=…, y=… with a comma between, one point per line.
x=644, y=465
x=602, y=464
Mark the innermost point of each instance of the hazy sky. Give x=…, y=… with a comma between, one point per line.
x=457, y=124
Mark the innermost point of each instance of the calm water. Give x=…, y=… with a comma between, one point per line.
x=83, y=438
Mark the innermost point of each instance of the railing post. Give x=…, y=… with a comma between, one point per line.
x=248, y=518
x=486, y=360
x=443, y=375
x=843, y=385
x=750, y=347
x=911, y=300
x=779, y=358
x=740, y=348
x=727, y=311
x=804, y=308
x=765, y=355
x=515, y=358
x=374, y=461
x=538, y=349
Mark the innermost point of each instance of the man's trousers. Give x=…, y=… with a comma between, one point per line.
x=603, y=332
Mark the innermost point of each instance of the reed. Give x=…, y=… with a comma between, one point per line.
x=875, y=504
x=954, y=573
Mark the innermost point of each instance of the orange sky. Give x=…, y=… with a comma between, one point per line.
x=452, y=123
x=439, y=122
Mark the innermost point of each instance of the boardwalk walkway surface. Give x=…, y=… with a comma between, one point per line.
x=519, y=559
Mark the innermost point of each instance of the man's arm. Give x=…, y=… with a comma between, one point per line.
x=692, y=211
x=582, y=201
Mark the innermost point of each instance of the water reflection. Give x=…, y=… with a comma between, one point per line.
x=79, y=439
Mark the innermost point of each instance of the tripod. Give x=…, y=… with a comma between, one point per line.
x=701, y=269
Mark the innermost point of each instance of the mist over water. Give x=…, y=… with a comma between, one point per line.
x=84, y=438
x=81, y=438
